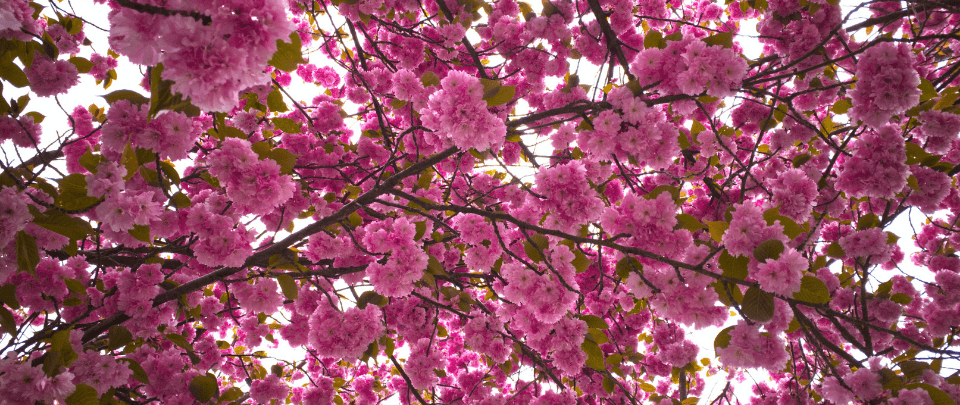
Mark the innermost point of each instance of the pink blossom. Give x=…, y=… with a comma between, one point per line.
x=50, y=78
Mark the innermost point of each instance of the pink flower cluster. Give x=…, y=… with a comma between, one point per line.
x=484, y=334
x=475, y=230
x=887, y=83
x=749, y=348
x=795, y=193
x=934, y=187
x=424, y=359
x=868, y=243
x=748, y=229
x=863, y=383
x=878, y=166
x=458, y=115
x=17, y=15
x=568, y=193
x=211, y=63
x=258, y=297
x=673, y=349
x=637, y=132
x=121, y=209
x=14, y=215
x=171, y=134
x=101, y=66
x=49, y=77
x=23, y=130
x=781, y=275
x=406, y=262
x=253, y=184
x=540, y=295
x=271, y=388
x=22, y=384
x=99, y=371
x=344, y=335
x=640, y=217
x=939, y=130
x=221, y=242
x=138, y=289
x=690, y=67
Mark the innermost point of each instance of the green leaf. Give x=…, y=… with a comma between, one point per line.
x=118, y=337
x=7, y=322
x=654, y=39
x=868, y=221
x=61, y=223
x=28, y=254
x=812, y=290
x=83, y=65
x=8, y=296
x=430, y=78
x=434, y=266
x=180, y=341
x=768, y=249
x=73, y=193
x=842, y=106
x=231, y=394
x=284, y=158
x=369, y=297
x=141, y=233
x=138, y=373
x=946, y=100
x=901, y=298
x=170, y=171
x=180, y=200
x=60, y=343
x=915, y=153
x=594, y=355
x=913, y=368
x=287, y=125
x=724, y=39
x=580, y=261
x=533, y=249
x=594, y=321
x=927, y=91
x=204, y=387
x=731, y=266
x=627, y=265
x=275, y=102
x=90, y=161
x=503, y=95
x=129, y=161
x=289, y=286
x=757, y=305
x=674, y=192
x=129, y=95
x=689, y=222
x=717, y=229
x=723, y=339
x=75, y=286
x=288, y=55
x=799, y=160
x=83, y=395
x=608, y=384
x=835, y=251
x=12, y=73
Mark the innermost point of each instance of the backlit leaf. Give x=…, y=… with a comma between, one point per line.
x=757, y=304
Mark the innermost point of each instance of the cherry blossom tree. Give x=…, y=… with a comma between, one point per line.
x=471, y=202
